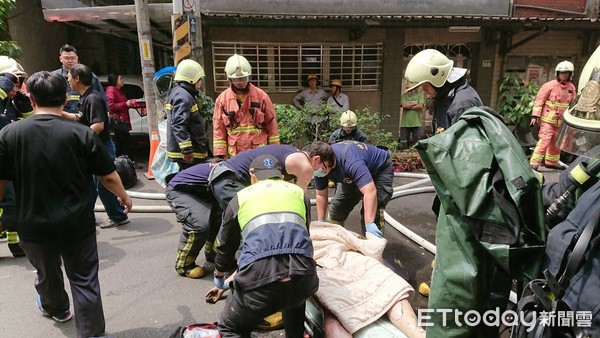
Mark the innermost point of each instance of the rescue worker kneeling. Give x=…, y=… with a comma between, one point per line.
x=275, y=269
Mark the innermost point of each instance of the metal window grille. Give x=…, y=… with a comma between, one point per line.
x=283, y=67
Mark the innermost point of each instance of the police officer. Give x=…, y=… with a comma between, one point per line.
x=269, y=221
x=195, y=207
x=187, y=143
x=365, y=172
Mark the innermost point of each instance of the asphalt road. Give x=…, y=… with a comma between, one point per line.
x=144, y=297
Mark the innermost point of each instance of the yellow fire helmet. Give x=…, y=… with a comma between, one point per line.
x=430, y=66
x=10, y=65
x=312, y=76
x=237, y=67
x=189, y=71
x=580, y=131
x=348, y=119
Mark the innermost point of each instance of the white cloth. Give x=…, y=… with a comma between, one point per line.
x=353, y=283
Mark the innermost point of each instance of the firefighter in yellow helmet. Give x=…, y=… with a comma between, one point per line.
x=446, y=84
x=244, y=116
x=187, y=143
x=14, y=105
x=349, y=130
x=579, y=191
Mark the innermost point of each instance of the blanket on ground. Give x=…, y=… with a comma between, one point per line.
x=353, y=282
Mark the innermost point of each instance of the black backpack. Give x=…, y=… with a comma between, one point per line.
x=126, y=171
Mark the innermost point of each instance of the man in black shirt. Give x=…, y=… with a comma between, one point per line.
x=55, y=213
x=94, y=114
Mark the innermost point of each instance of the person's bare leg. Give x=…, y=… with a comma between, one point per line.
x=403, y=317
x=333, y=328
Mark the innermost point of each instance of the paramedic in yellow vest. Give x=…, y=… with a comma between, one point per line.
x=275, y=267
x=551, y=101
x=244, y=116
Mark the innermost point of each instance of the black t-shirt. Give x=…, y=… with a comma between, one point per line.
x=92, y=109
x=51, y=161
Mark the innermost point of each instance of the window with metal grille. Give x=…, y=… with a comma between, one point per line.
x=284, y=67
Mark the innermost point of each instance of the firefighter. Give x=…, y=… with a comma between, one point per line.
x=348, y=131
x=14, y=105
x=244, y=116
x=550, y=103
x=187, y=143
x=446, y=84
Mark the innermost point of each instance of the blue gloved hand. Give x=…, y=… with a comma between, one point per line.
x=220, y=282
x=372, y=228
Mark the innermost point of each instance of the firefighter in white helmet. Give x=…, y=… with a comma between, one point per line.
x=446, y=84
x=244, y=116
x=551, y=101
x=14, y=105
x=187, y=143
x=349, y=130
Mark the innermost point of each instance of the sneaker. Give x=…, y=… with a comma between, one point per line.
x=59, y=318
x=109, y=223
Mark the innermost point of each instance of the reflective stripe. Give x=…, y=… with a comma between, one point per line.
x=579, y=175
x=171, y=154
x=550, y=120
x=3, y=94
x=552, y=104
x=219, y=143
x=168, y=106
x=277, y=218
x=185, y=144
x=73, y=97
x=273, y=139
x=194, y=108
x=246, y=129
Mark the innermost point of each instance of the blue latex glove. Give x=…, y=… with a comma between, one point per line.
x=220, y=282
x=372, y=228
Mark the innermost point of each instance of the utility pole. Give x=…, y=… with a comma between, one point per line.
x=187, y=32
x=147, y=58
x=196, y=34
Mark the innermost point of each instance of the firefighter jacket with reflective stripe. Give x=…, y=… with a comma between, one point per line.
x=552, y=100
x=271, y=220
x=490, y=226
x=185, y=126
x=242, y=125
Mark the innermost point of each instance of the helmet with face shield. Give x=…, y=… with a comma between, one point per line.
x=580, y=131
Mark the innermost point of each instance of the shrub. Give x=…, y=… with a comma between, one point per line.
x=316, y=123
x=515, y=99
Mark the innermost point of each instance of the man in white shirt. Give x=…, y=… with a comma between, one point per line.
x=312, y=95
x=337, y=100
